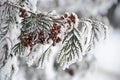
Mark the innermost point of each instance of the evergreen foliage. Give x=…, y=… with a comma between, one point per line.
x=77, y=37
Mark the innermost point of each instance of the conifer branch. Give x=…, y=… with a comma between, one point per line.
x=40, y=28
x=92, y=33
x=71, y=50
x=8, y=18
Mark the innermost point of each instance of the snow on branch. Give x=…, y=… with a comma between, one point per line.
x=77, y=37
x=71, y=50
x=8, y=18
x=92, y=32
x=80, y=40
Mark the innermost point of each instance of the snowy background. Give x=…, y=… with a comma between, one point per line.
x=105, y=62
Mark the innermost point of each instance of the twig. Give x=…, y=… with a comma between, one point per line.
x=14, y=5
